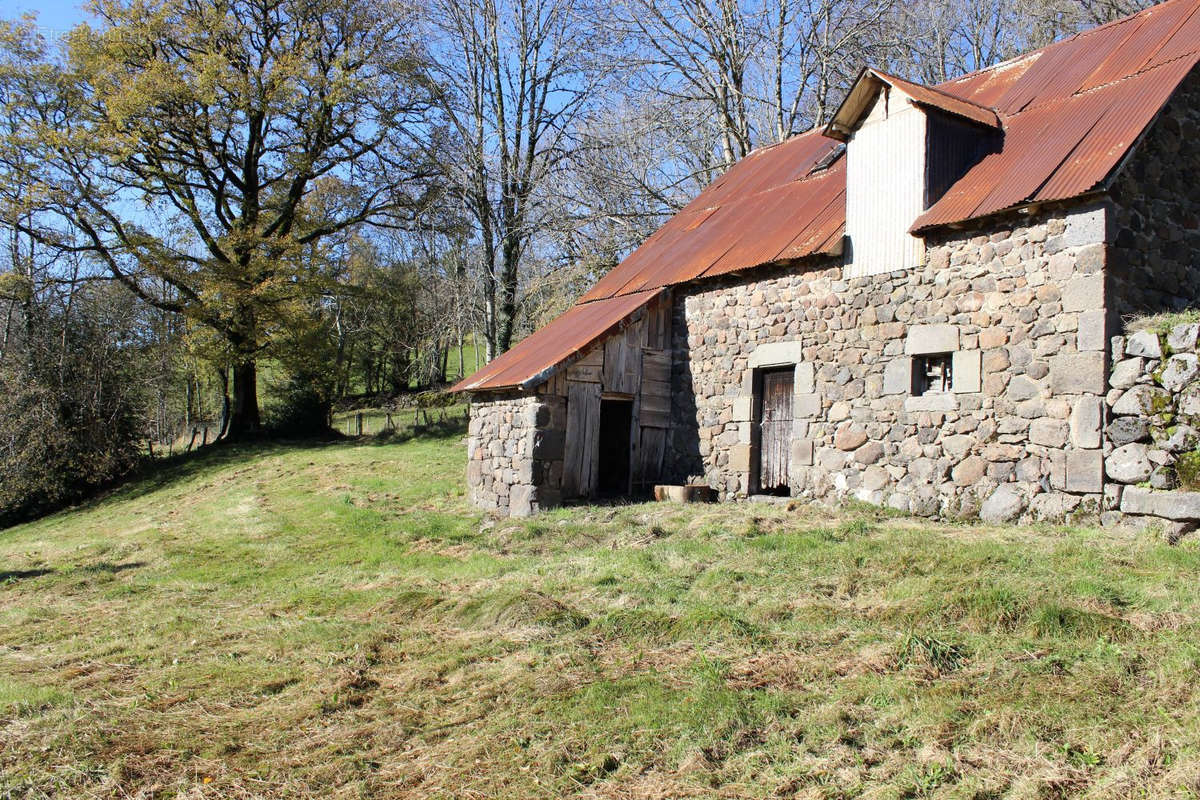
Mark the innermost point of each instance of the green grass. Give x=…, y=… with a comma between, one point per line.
x=472, y=349
x=336, y=621
x=1163, y=322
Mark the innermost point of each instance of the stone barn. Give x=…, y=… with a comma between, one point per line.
x=915, y=305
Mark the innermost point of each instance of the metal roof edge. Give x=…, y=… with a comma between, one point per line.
x=840, y=125
x=1136, y=145
x=542, y=376
x=1024, y=207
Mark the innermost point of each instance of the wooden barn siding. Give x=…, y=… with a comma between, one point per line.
x=633, y=362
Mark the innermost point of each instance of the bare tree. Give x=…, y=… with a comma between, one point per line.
x=517, y=78
x=816, y=47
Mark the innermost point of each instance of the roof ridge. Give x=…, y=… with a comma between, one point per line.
x=1040, y=50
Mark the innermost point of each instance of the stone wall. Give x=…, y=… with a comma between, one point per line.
x=1152, y=438
x=515, y=452
x=1021, y=306
x=1156, y=220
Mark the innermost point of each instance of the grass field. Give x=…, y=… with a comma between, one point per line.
x=335, y=621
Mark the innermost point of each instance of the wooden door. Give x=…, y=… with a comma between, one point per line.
x=583, y=435
x=775, y=429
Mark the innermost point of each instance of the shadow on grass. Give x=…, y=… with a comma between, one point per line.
x=13, y=576
x=434, y=430
x=9, y=577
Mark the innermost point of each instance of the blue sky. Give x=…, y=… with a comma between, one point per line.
x=52, y=14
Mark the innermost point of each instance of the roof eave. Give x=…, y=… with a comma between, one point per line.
x=844, y=121
x=1026, y=207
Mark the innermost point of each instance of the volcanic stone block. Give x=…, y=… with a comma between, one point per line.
x=1077, y=373
x=926, y=339
x=1084, y=471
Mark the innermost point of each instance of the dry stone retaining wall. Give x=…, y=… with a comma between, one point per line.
x=1152, y=436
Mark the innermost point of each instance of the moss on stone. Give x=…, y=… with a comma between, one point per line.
x=1161, y=404
x=1187, y=470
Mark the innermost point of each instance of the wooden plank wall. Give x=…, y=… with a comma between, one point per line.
x=633, y=362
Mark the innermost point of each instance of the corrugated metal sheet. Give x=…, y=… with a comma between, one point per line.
x=1074, y=111
x=885, y=190
x=1069, y=112
x=547, y=347
x=773, y=192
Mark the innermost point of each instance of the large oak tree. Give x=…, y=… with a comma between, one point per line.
x=180, y=143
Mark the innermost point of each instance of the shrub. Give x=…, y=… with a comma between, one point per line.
x=71, y=417
x=300, y=405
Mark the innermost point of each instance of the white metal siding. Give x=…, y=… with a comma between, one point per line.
x=885, y=188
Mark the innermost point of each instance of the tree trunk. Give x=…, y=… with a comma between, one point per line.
x=244, y=420
x=461, y=366
x=223, y=374
x=508, y=299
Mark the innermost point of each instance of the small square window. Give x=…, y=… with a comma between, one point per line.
x=932, y=374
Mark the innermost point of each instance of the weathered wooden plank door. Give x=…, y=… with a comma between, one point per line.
x=775, y=429
x=583, y=437
x=650, y=455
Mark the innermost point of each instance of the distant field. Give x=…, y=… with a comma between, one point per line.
x=335, y=621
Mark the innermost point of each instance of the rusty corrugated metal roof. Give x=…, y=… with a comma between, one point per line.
x=549, y=346
x=776, y=192
x=1070, y=113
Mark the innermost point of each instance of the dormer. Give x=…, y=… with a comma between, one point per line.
x=906, y=145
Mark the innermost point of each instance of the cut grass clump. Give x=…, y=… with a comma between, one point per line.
x=1057, y=622
x=522, y=608
x=938, y=654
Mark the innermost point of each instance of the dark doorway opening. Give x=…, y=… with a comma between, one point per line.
x=612, y=473
x=774, y=430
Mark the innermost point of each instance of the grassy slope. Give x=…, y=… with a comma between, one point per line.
x=334, y=621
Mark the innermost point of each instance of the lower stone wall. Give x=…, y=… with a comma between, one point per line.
x=1152, y=439
x=515, y=452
